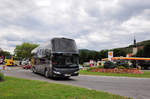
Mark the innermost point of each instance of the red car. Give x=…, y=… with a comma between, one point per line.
x=27, y=67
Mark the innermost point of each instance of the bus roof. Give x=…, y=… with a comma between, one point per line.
x=63, y=45
x=56, y=45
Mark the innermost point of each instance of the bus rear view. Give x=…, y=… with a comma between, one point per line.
x=61, y=58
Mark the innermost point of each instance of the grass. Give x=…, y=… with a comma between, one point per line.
x=16, y=88
x=1, y=76
x=146, y=74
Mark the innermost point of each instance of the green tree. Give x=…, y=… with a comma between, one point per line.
x=139, y=53
x=103, y=54
x=96, y=56
x=4, y=53
x=24, y=50
x=146, y=50
x=83, y=56
x=119, y=52
x=87, y=55
x=91, y=55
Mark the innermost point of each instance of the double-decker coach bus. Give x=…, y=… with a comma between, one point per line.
x=59, y=57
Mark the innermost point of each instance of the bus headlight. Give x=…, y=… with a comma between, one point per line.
x=76, y=72
x=56, y=72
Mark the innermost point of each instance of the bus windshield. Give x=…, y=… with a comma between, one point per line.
x=64, y=45
x=63, y=61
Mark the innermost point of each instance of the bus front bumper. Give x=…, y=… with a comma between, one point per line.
x=58, y=74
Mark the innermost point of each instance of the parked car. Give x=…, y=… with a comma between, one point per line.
x=1, y=61
x=25, y=62
x=80, y=67
x=27, y=67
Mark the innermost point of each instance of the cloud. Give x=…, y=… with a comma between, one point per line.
x=94, y=24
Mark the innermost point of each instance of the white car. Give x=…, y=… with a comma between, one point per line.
x=25, y=62
x=1, y=61
x=80, y=67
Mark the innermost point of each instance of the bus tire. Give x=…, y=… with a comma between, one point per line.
x=68, y=77
x=46, y=74
x=34, y=70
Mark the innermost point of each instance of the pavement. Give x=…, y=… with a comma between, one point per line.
x=137, y=88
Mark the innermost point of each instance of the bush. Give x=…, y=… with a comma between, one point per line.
x=1, y=76
x=109, y=64
x=122, y=63
x=121, y=67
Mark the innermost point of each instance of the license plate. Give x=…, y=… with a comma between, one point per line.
x=67, y=75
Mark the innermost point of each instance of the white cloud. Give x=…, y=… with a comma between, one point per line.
x=94, y=24
x=43, y=3
x=138, y=24
x=98, y=37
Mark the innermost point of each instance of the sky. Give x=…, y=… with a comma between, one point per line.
x=93, y=24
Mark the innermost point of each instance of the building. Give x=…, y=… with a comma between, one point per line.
x=1, y=50
x=135, y=49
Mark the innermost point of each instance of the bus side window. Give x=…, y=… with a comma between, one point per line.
x=42, y=61
x=47, y=61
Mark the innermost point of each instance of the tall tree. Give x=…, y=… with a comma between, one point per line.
x=24, y=50
x=4, y=53
x=146, y=50
x=119, y=52
x=83, y=55
x=87, y=55
x=139, y=53
x=103, y=54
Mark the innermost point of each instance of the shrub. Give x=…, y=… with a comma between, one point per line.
x=121, y=67
x=122, y=63
x=1, y=76
x=109, y=64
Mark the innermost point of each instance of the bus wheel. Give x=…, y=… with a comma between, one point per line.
x=46, y=74
x=33, y=70
x=68, y=77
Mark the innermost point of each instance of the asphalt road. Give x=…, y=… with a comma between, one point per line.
x=137, y=88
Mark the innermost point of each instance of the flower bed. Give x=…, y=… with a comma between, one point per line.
x=116, y=70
